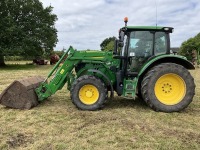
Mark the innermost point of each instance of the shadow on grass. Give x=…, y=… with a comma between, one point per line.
x=116, y=103
x=120, y=102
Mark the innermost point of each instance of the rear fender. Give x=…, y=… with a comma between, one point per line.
x=177, y=59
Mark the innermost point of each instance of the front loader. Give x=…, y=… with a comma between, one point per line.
x=140, y=65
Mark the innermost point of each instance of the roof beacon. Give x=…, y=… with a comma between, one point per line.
x=126, y=20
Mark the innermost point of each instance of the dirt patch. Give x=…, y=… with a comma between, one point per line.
x=185, y=137
x=18, y=140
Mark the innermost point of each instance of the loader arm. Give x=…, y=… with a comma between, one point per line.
x=58, y=76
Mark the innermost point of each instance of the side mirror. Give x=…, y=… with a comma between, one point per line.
x=121, y=36
x=115, y=47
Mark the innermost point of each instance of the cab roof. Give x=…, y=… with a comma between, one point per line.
x=149, y=28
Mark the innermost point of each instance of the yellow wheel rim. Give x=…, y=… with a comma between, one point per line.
x=170, y=89
x=88, y=94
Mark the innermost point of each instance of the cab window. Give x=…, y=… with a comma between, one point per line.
x=141, y=44
x=160, y=43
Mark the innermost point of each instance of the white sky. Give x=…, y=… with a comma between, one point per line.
x=84, y=24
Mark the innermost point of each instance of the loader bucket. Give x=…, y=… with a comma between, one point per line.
x=21, y=93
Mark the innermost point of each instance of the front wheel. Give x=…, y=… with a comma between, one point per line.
x=88, y=93
x=168, y=87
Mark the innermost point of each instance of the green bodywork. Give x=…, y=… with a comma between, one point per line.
x=105, y=66
x=93, y=60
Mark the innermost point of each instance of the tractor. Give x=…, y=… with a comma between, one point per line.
x=141, y=65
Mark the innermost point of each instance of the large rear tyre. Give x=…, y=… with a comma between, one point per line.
x=168, y=87
x=88, y=93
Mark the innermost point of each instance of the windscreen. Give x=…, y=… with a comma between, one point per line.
x=141, y=43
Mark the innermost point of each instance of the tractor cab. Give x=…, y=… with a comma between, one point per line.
x=136, y=47
x=138, y=44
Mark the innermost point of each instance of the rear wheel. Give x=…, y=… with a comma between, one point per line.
x=88, y=93
x=168, y=87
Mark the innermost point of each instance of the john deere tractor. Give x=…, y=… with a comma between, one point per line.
x=140, y=65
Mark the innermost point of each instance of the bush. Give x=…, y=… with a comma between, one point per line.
x=14, y=58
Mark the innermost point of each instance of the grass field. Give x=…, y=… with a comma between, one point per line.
x=122, y=124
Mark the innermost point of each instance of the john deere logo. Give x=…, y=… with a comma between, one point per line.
x=62, y=71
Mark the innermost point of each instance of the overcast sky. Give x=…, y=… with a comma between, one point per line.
x=84, y=24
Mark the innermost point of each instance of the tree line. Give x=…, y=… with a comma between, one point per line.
x=27, y=29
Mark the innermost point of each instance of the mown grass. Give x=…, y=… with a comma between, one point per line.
x=122, y=124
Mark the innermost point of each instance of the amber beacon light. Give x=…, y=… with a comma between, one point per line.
x=126, y=20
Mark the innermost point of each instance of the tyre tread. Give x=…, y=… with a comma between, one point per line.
x=147, y=79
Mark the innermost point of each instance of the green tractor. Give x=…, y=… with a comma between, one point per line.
x=140, y=65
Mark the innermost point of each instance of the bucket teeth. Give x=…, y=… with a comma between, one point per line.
x=21, y=93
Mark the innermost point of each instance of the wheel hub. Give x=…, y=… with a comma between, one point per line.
x=167, y=88
x=88, y=94
x=170, y=89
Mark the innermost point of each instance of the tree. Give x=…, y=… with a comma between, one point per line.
x=26, y=28
x=188, y=47
x=108, y=44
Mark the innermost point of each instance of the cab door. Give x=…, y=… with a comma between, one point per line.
x=140, y=48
